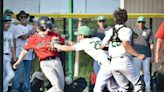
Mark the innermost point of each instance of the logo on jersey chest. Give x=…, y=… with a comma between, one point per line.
x=43, y=44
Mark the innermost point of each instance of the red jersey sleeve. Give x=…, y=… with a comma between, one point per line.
x=160, y=31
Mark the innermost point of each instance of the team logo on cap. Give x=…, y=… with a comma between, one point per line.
x=42, y=22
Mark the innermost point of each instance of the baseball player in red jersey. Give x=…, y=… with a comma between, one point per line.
x=49, y=61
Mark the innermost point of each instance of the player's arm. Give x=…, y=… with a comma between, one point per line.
x=26, y=47
x=69, y=42
x=126, y=37
x=24, y=37
x=63, y=47
x=157, y=53
x=129, y=48
x=21, y=56
x=106, y=39
x=13, y=51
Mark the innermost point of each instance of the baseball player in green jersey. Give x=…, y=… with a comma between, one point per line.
x=91, y=46
x=120, y=51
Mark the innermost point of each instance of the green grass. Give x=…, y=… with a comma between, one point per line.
x=85, y=66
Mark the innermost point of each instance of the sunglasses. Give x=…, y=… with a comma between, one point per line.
x=101, y=20
x=23, y=17
x=141, y=22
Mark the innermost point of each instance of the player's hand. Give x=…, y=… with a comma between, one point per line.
x=141, y=56
x=101, y=46
x=15, y=66
x=70, y=43
x=53, y=41
x=157, y=58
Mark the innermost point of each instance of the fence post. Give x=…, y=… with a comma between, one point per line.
x=1, y=48
x=151, y=23
x=70, y=27
x=63, y=53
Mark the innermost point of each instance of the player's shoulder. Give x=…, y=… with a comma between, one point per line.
x=53, y=34
x=109, y=32
x=96, y=38
x=126, y=30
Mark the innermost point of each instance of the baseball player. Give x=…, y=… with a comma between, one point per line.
x=8, y=53
x=49, y=59
x=91, y=47
x=120, y=52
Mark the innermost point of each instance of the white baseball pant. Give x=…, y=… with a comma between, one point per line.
x=8, y=72
x=123, y=69
x=53, y=71
x=104, y=77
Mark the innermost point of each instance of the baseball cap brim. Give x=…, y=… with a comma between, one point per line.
x=101, y=18
x=76, y=33
x=8, y=11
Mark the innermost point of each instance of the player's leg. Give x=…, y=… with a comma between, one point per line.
x=121, y=81
x=103, y=77
x=60, y=73
x=51, y=74
x=132, y=74
x=9, y=73
x=112, y=85
x=118, y=66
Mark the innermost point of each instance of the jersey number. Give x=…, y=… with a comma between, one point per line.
x=96, y=44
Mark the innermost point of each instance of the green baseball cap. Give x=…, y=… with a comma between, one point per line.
x=141, y=18
x=101, y=18
x=84, y=30
x=7, y=18
x=8, y=11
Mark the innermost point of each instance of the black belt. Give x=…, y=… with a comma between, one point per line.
x=110, y=57
x=105, y=48
x=6, y=53
x=49, y=58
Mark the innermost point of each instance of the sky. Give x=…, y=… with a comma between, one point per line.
x=80, y=6
x=62, y=6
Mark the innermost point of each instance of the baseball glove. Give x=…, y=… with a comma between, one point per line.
x=54, y=40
